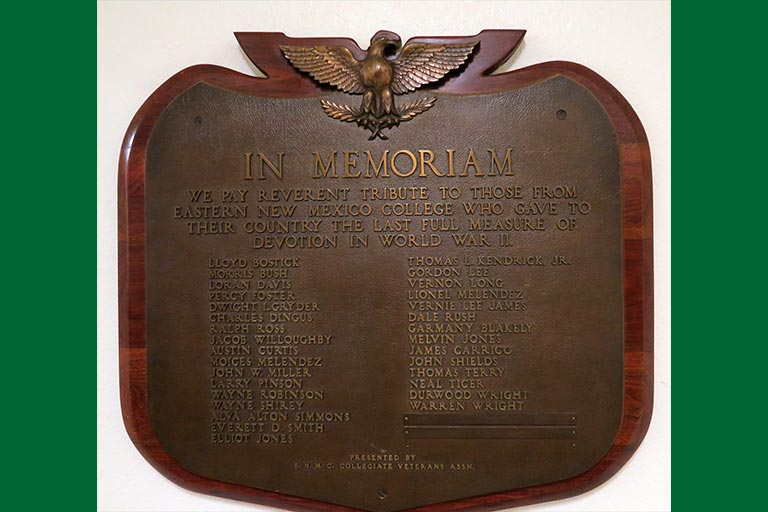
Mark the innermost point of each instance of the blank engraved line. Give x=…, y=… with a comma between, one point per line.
x=551, y=419
x=491, y=431
x=491, y=426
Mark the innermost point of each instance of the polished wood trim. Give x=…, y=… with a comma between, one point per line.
x=283, y=81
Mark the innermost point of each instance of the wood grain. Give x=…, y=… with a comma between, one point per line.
x=283, y=81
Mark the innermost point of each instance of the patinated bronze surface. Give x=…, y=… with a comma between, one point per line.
x=380, y=323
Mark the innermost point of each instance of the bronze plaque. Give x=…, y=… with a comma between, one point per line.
x=407, y=297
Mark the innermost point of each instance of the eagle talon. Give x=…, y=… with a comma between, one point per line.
x=377, y=133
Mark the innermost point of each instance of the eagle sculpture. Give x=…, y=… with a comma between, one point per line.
x=385, y=71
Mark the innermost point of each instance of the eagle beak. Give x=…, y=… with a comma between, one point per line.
x=391, y=47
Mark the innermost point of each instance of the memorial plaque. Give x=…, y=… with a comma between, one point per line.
x=386, y=279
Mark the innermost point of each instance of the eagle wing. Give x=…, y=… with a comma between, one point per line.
x=334, y=65
x=421, y=63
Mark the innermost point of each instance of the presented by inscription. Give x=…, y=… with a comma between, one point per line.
x=385, y=321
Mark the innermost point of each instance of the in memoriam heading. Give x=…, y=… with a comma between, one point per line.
x=401, y=163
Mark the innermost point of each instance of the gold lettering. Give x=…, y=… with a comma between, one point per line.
x=495, y=162
x=350, y=163
x=377, y=168
x=248, y=173
x=427, y=161
x=450, y=162
x=426, y=157
x=471, y=160
x=414, y=163
x=321, y=170
x=276, y=170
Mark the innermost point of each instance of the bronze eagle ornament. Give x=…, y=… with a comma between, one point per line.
x=385, y=71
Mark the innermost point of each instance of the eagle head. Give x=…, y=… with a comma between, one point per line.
x=388, y=41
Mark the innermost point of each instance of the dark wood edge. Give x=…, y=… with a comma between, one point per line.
x=283, y=81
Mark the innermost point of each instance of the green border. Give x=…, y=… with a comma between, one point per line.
x=48, y=134
x=719, y=298
x=48, y=255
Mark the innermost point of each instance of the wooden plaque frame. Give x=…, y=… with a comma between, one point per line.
x=284, y=81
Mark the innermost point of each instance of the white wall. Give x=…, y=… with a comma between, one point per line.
x=142, y=43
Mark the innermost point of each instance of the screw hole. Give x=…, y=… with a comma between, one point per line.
x=198, y=120
x=561, y=114
x=382, y=494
